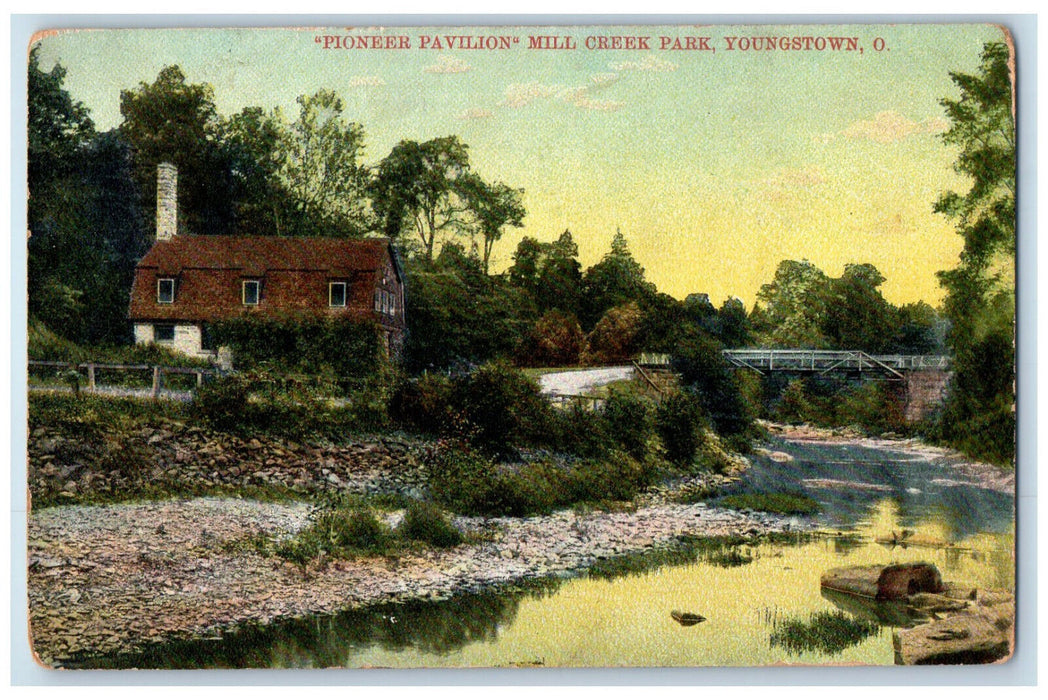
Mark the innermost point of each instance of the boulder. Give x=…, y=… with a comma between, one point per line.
x=979, y=634
x=893, y=582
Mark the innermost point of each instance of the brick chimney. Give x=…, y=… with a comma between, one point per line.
x=166, y=201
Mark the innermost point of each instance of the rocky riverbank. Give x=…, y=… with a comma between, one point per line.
x=111, y=579
x=958, y=469
x=70, y=468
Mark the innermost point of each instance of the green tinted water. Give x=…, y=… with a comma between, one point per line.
x=763, y=606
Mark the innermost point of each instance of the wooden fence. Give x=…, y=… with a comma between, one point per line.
x=155, y=372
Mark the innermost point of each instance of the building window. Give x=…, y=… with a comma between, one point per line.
x=165, y=290
x=207, y=340
x=252, y=288
x=164, y=332
x=378, y=300
x=336, y=293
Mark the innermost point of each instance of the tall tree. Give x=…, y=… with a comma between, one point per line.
x=416, y=189
x=494, y=207
x=616, y=280
x=301, y=178
x=175, y=121
x=980, y=291
x=856, y=316
x=790, y=307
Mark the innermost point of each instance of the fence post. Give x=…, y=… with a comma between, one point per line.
x=200, y=379
x=90, y=376
x=156, y=381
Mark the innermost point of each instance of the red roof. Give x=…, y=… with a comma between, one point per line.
x=256, y=255
x=294, y=274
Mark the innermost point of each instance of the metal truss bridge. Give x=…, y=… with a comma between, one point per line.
x=826, y=362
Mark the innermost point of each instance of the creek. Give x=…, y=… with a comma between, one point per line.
x=762, y=602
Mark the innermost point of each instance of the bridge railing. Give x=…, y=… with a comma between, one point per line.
x=829, y=360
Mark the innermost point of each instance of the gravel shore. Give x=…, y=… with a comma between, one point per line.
x=110, y=579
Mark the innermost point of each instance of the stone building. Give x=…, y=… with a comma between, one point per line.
x=187, y=282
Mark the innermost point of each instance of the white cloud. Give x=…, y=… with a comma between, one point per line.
x=523, y=94
x=650, y=62
x=448, y=64
x=886, y=127
x=476, y=113
x=580, y=98
x=366, y=81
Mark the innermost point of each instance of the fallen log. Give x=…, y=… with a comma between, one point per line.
x=894, y=582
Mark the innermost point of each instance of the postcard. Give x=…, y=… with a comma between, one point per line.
x=521, y=346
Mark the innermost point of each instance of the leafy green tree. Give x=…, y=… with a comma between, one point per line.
x=416, y=189
x=704, y=372
x=616, y=280
x=175, y=121
x=790, y=308
x=559, y=283
x=980, y=291
x=457, y=315
x=300, y=178
x=856, y=315
x=919, y=330
x=733, y=324
x=83, y=216
x=494, y=207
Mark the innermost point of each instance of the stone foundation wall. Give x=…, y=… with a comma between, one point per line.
x=925, y=392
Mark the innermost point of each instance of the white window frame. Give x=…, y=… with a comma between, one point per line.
x=159, y=297
x=258, y=292
x=156, y=333
x=331, y=294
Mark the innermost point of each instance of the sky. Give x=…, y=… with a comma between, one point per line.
x=716, y=163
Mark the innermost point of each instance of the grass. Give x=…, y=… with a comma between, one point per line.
x=778, y=503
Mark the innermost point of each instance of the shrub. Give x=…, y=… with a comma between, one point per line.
x=461, y=479
x=502, y=405
x=346, y=348
x=579, y=431
x=874, y=407
x=678, y=420
x=617, y=477
x=629, y=422
x=556, y=340
x=793, y=405
x=423, y=404
x=223, y=404
x=427, y=523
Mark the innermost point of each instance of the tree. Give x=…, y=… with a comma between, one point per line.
x=856, y=316
x=616, y=280
x=494, y=207
x=58, y=127
x=980, y=291
x=556, y=340
x=791, y=307
x=175, y=121
x=415, y=188
x=733, y=324
x=300, y=178
x=614, y=338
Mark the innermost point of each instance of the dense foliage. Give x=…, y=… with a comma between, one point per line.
x=979, y=415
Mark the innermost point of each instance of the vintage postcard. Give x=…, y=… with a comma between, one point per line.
x=521, y=346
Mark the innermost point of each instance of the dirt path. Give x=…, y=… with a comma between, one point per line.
x=578, y=382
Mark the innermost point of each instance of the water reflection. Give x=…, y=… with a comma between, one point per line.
x=824, y=632
x=327, y=641
x=615, y=619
